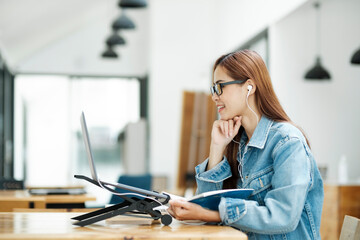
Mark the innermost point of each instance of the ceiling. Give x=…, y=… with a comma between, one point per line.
x=68, y=36
x=64, y=36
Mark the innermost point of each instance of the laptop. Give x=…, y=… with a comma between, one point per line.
x=85, y=134
x=94, y=175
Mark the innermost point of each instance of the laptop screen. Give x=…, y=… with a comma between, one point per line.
x=93, y=171
x=85, y=134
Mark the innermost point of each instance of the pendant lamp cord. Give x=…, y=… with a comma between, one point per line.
x=318, y=35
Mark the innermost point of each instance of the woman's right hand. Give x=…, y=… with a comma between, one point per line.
x=223, y=131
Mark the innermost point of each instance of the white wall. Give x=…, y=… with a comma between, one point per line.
x=186, y=37
x=328, y=111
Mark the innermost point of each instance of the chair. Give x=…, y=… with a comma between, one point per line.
x=139, y=181
x=11, y=184
x=350, y=229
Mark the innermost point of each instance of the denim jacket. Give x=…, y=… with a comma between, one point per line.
x=288, y=189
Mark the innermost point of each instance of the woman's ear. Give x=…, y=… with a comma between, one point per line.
x=250, y=87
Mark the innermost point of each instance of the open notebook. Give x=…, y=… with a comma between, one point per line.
x=212, y=199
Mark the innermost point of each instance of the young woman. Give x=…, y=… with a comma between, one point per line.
x=255, y=145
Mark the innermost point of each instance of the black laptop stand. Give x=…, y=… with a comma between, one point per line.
x=133, y=205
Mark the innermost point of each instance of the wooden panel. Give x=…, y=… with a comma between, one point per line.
x=339, y=200
x=10, y=199
x=187, y=115
x=212, y=116
x=349, y=203
x=8, y=206
x=329, y=218
x=198, y=115
x=203, y=117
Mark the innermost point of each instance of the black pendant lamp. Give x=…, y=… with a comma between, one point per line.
x=356, y=57
x=317, y=72
x=109, y=53
x=123, y=22
x=115, y=39
x=132, y=3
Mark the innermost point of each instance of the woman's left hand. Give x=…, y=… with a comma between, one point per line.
x=184, y=210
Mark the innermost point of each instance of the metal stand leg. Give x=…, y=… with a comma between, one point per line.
x=136, y=205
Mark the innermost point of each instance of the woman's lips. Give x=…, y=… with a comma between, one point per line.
x=220, y=108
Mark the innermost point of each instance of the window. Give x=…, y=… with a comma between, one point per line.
x=260, y=44
x=6, y=121
x=49, y=148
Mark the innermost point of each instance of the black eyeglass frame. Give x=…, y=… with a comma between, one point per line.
x=214, y=89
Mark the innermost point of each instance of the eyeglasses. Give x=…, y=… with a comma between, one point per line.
x=218, y=87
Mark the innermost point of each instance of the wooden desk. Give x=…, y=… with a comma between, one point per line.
x=10, y=199
x=59, y=226
x=339, y=200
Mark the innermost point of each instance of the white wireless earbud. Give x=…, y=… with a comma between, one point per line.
x=249, y=90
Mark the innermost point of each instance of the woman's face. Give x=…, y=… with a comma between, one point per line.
x=231, y=102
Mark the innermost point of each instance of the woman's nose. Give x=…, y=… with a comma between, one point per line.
x=215, y=97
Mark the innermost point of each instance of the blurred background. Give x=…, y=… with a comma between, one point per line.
x=127, y=68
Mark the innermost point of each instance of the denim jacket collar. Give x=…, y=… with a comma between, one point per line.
x=260, y=135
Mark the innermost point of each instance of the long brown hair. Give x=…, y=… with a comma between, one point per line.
x=247, y=64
